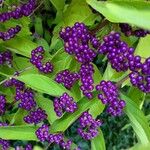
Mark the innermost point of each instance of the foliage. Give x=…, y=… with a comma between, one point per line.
x=42, y=28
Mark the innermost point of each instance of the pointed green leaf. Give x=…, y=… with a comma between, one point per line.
x=142, y=48
x=18, y=133
x=47, y=105
x=98, y=143
x=20, y=45
x=124, y=11
x=138, y=120
x=43, y=84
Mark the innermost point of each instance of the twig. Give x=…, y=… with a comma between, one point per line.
x=21, y=71
x=36, y=8
x=11, y=104
x=47, y=146
x=25, y=69
x=3, y=81
x=100, y=26
x=119, y=83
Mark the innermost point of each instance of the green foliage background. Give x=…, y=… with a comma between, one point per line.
x=132, y=130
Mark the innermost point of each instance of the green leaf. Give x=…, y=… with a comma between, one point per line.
x=142, y=48
x=21, y=46
x=18, y=133
x=67, y=119
x=136, y=95
x=37, y=148
x=126, y=11
x=98, y=143
x=47, y=105
x=96, y=109
x=97, y=75
x=138, y=120
x=139, y=146
x=18, y=117
x=113, y=75
x=38, y=26
x=62, y=61
x=23, y=22
x=76, y=91
x=59, y=5
x=78, y=11
x=43, y=84
x=43, y=42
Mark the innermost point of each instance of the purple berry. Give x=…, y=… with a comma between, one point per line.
x=118, y=52
x=36, y=60
x=88, y=126
x=67, y=78
x=6, y=57
x=4, y=144
x=35, y=116
x=86, y=75
x=26, y=98
x=79, y=42
x=2, y=104
x=64, y=103
x=109, y=95
x=10, y=33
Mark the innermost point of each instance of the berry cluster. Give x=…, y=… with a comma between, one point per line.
x=14, y=82
x=67, y=78
x=141, y=78
x=64, y=103
x=79, y=42
x=20, y=11
x=128, y=31
x=88, y=126
x=122, y=58
x=36, y=59
x=42, y=132
x=28, y=147
x=43, y=135
x=35, y=116
x=4, y=144
x=10, y=33
x=86, y=75
x=6, y=57
x=2, y=104
x=118, y=52
x=110, y=96
x=1, y=1
x=26, y=98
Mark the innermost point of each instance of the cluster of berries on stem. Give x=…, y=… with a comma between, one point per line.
x=2, y=104
x=19, y=12
x=88, y=126
x=79, y=42
x=141, y=77
x=67, y=78
x=35, y=116
x=36, y=60
x=6, y=58
x=86, y=75
x=109, y=95
x=43, y=135
x=64, y=103
x=117, y=51
x=26, y=98
x=128, y=31
x=10, y=33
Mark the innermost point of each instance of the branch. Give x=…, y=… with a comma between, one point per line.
x=119, y=83
x=100, y=26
